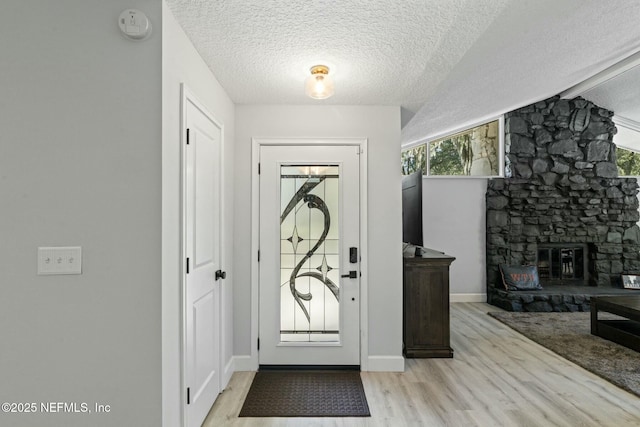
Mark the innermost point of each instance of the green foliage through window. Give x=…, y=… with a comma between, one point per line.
x=413, y=160
x=450, y=156
x=446, y=158
x=473, y=152
x=628, y=162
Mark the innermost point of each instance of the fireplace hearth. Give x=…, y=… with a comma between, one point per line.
x=561, y=207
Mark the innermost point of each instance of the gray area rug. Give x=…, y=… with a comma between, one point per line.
x=569, y=335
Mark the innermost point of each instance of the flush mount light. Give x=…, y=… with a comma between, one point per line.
x=319, y=85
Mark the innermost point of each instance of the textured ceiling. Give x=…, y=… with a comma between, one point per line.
x=451, y=62
x=621, y=94
x=381, y=52
x=532, y=51
x=617, y=89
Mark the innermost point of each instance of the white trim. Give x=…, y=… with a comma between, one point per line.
x=255, y=246
x=309, y=141
x=255, y=243
x=188, y=96
x=628, y=127
x=227, y=372
x=461, y=176
x=462, y=129
x=628, y=134
x=457, y=129
x=603, y=76
x=183, y=340
x=364, y=258
x=225, y=283
x=626, y=123
x=482, y=297
x=385, y=364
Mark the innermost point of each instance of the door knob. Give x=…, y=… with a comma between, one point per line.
x=221, y=274
x=353, y=274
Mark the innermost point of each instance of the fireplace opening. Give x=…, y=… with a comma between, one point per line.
x=563, y=263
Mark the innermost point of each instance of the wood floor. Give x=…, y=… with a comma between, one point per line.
x=496, y=378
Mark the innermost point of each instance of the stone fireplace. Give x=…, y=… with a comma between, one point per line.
x=562, y=206
x=563, y=263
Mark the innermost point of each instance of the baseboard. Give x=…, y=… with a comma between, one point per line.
x=227, y=372
x=468, y=297
x=375, y=364
x=244, y=363
x=385, y=364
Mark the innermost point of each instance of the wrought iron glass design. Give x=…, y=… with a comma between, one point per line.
x=309, y=253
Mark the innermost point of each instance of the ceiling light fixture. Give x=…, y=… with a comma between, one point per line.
x=319, y=85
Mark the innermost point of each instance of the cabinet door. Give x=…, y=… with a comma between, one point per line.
x=426, y=304
x=425, y=300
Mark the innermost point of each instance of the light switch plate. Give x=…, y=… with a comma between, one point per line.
x=60, y=260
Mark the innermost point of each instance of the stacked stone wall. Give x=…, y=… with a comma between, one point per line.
x=562, y=186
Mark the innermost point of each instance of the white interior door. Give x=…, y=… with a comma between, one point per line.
x=309, y=223
x=202, y=251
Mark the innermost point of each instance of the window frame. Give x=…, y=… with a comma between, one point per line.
x=626, y=149
x=457, y=131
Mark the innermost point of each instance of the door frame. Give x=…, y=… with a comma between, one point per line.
x=188, y=96
x=256, y=143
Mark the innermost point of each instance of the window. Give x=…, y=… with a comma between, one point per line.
x=476, y=151
x=414, y=159
x=628, y=162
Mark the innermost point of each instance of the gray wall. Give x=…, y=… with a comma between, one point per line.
x=381, y=125
x=453, y=216
x=80, y=164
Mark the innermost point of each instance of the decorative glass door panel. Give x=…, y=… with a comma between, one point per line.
x=309, y=253
x=309, y=218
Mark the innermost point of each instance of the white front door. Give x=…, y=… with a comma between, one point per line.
x=309, y=280
x=202, y=251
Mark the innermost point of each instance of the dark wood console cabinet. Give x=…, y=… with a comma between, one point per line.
x=426, y=305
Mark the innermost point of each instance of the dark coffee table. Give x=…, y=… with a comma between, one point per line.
x=625, y=331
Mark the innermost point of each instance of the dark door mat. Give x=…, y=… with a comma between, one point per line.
x=306, y=394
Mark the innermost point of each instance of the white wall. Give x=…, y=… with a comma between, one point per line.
x=381, y=125
x=454, y=215
x=182, y=64
x=80, y=164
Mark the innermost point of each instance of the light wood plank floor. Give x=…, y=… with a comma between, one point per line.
x=496, y=378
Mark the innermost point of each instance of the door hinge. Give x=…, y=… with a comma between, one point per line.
x=258, y=255
x=187, y=265
x=258, y=344
x=258, y=168
x=187, y=136
x=188, y=395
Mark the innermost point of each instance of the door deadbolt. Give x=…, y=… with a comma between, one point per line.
x=353, y=255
